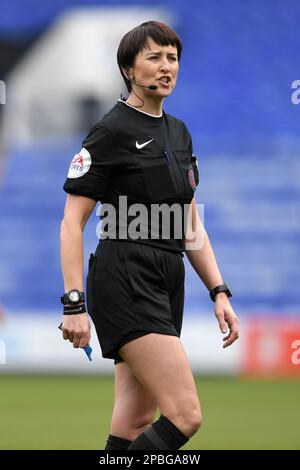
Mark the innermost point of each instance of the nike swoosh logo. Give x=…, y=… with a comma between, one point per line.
x=140, y=146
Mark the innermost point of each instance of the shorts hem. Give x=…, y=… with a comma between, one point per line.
x=130, y=337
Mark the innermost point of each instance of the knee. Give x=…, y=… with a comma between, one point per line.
x=188, y=420
x=192, y=421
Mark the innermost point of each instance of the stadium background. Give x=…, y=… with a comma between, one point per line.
x=58, y=75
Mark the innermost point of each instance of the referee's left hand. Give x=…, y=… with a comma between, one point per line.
x=226, y=316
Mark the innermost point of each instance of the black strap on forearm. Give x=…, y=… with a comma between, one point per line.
x=74, y=309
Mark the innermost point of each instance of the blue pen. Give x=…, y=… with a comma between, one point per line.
x=88, y=350
x=167, y=156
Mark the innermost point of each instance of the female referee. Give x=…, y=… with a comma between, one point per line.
x=140, y=155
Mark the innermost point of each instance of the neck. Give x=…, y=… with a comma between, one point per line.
x=150, y=104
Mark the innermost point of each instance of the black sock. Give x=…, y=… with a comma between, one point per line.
x=117, y=443
x=163, y=434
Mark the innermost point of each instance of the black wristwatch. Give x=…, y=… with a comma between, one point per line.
x=216, y=290
x=73, y=297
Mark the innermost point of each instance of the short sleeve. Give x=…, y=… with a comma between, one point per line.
x=90, y=170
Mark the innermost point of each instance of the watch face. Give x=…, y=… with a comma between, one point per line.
x=74, y=296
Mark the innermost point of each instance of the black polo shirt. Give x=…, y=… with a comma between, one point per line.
x=131, y=158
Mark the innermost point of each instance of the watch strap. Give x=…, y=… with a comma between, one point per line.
x=221, y=288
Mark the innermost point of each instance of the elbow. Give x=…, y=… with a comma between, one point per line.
x=69, y=224
x=64, y=224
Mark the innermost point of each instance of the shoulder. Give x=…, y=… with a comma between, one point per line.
x=179, y=134
x=103, y=131
x=99, y=137
x=106, y=127
x=111, y=119
x=177, y=124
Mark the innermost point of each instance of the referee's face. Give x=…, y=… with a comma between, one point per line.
x=156, y=65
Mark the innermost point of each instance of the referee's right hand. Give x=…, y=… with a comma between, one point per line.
x=77, y=329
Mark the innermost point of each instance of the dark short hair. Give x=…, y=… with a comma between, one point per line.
x=136, y=39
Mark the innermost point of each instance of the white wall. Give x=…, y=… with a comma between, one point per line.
x=33, y=343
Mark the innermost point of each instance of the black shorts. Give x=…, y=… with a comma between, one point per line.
x=134, y=289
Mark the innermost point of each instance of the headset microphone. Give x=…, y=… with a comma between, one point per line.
x=151, y=87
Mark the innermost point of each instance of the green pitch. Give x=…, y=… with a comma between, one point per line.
x=57, y=412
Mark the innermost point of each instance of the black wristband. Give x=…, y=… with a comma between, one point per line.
x=221, y=288
x=74, y=309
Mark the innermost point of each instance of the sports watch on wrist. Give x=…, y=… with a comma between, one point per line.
x=222, y=288
x=73, y=297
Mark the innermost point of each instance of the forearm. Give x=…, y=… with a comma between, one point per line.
x=204, y=263
x=71, y=249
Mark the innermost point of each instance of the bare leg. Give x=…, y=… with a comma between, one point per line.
x=161, y=366
x=135, y=407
